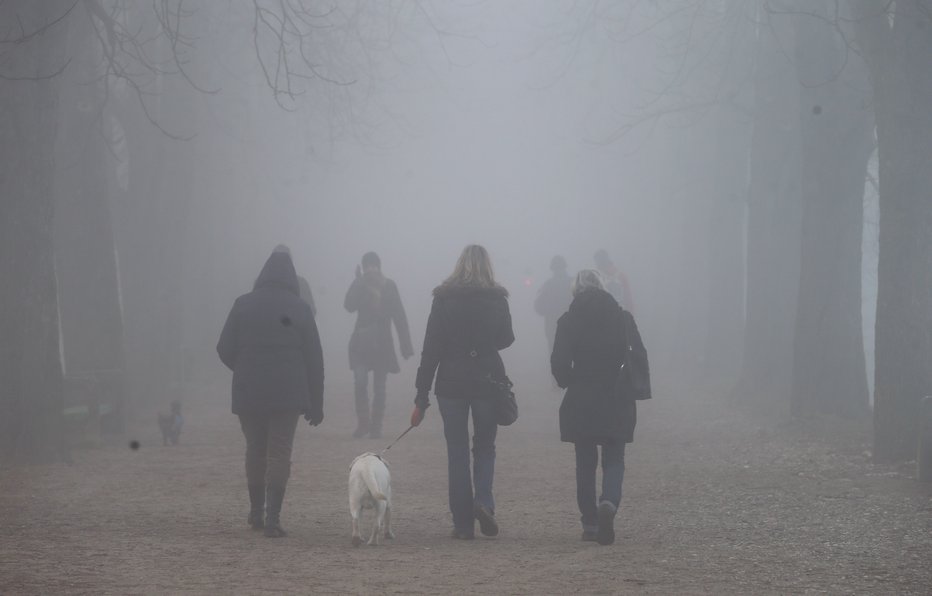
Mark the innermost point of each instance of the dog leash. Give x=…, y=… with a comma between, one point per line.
x=396, y=440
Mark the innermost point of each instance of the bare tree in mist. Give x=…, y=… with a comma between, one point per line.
x=895, y=39
x=837, y=124
x=101, y=107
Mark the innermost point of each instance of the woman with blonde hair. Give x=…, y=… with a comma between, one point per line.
x=596, y=348
x=469, y=323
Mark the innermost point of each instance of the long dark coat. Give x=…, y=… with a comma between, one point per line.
x=588, y=351
x=270, y=342
x=467, y=327
x=378, y=304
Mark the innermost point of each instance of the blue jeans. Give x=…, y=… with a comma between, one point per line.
x=613, y=472
x=361, y=386
x=455, y=414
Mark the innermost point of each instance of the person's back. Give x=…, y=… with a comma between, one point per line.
x=268, y=354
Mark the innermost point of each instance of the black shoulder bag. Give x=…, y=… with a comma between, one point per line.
x=633, y=381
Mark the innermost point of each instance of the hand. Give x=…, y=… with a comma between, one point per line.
x=417, y=416
x=315, y=418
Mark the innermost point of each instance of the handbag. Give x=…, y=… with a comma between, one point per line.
x=633, y=381
x=503, y=400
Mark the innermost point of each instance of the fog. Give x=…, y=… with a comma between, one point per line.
x=496, y=135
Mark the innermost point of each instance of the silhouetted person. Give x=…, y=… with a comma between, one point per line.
x=270, y=342
x=592, y=341
x=615, y=281
x=469, y=323
x=377, y=303
x=554, y=298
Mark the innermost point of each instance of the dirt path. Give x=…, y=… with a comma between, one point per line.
x=712, y=504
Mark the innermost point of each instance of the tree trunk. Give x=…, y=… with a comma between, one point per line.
x=829, y=373
x=91, y=318
x=774, y=228
x=30, y=364
x=898, y=54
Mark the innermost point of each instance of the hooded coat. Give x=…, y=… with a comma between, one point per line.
x=377, y=303
x=271, y=343
x=588, y=352
x=467, y=327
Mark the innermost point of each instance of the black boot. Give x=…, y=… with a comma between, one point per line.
x=273, y=527
x=256, y=506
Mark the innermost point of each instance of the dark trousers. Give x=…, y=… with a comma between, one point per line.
x=455, y=414
x=269, y=439
x=613, y=472
x=361, y=386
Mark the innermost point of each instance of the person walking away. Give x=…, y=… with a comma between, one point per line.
x=469, y=323
x=376, y=301
x=554, y=298
x=271, y=343
x=598, y=410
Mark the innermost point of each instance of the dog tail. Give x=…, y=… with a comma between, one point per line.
x=373, y=486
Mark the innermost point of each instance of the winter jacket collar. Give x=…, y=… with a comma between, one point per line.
x=444, y=291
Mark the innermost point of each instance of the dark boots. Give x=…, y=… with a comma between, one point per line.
x=256, y=506
x=275, y=496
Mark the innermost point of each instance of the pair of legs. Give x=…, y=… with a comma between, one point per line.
x=369, y=422
x=593, y=511
x=464, y=502
x=269, y=439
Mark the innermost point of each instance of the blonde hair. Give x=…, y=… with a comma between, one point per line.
x=587, y=279
x=473, y=268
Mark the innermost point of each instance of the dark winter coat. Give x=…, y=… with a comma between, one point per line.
x=378, y=304
x=270, y=342
x=587, y=354
x=466, y=328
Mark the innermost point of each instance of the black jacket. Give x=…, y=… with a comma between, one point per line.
x=588, y=351
x=377, y=303
x=270, y=342
x=466, y=328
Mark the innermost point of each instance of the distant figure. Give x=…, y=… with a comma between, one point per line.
x=592, y=341
x=170, y=424
x=469, y=323
x=376, y=301
x=304, y=288
x=616, y=282
x=554, y=298
x=270, y=342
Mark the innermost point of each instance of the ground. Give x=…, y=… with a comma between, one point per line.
x=714, y=503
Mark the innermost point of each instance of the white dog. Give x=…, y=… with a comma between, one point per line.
x=370, y=488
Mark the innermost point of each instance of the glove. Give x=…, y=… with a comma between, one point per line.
x=314, y=418
x=417, y=416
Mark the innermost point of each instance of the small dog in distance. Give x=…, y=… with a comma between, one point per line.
x=170, y=424
x=370, y=488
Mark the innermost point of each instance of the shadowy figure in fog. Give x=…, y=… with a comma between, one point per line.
x=614, y=280
x=170, y=424
x=376, y=301
x=469, y=323
x=598, y=409
x=554, y=298
x=270, y=342
x=304, y=288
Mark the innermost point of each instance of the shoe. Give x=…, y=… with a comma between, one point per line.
x=375, y=434
x=461, y=535
x=360, y=432
x=588, y=535
x=487, y=524
x=255, y=520
x=606, y=531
